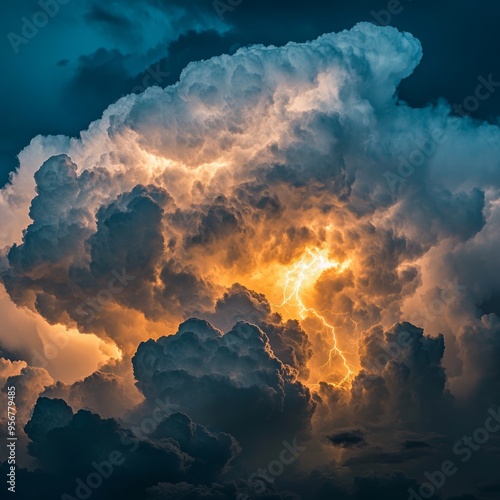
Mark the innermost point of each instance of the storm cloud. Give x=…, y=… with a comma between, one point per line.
x=328, y=251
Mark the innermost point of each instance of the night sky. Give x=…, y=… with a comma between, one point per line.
x=249, y=250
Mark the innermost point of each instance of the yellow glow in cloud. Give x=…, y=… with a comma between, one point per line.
x=288, y=287
x=65, y=353
x=299, y=278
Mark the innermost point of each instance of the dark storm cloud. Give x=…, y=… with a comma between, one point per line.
x=183, y=290
x=228, y=490
x=118, y=268
x=8, y=354
x=29, y=383
x=411, y=445
x=99, y=79
x=259, y=197
x=408, y=382
x=240, y=304
x=103, y=15
x=104, y=76
x=458, y=215
x=186, y=490
x=60, y=234
x=326, y=168
x=103, y=393
x=179, y=450
x=389, y=486
x=48, y=414
x=42, y=242
x=111, y=247
x=478, y=335
x=212, y=452
x=384, y=457
x=215, y=222
x=347, y=438
x=288, y=340
x=96, y=439
x=399, y=413
x=324, y=486
x=481, y=338
x=232, y=381
x=492, y=489
x=322, y=120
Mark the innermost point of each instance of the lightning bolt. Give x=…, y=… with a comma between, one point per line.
x=310, y=266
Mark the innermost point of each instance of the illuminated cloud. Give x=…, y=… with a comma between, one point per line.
x=270, y=193
x=288, y=340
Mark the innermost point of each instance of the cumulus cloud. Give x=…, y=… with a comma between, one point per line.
x=273, y=168
x=247, y=150
x=407, y=366
x=288, y=340
x=179, y=450
x=347, y=438
x=104, y=393
x=28, y=382
x=397, y=400
x=231, y=381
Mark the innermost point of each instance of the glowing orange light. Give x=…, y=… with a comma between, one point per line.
x=303, y=274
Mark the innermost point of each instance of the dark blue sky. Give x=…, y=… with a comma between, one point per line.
x=89, y=54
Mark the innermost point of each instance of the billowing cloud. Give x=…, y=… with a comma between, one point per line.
x=179, y=450
x=341, y=242
x=288, y=340
x=107, y=394
x=231, y=381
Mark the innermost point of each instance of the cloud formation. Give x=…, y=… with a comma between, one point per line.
x=285, y=195
x=230, y=381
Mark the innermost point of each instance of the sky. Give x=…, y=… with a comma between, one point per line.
x=89, y=54
x=249, y=250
